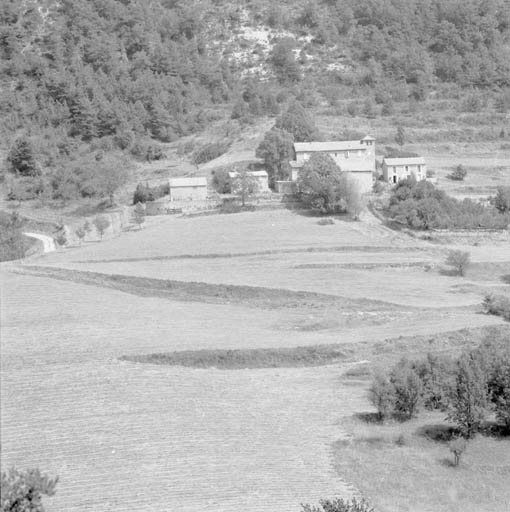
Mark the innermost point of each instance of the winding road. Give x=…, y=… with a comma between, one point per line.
x=48, y=242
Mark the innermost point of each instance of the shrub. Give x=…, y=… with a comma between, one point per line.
x=458, y=173
x=13, y=244
x=457, y=447
x=459, y=260
x=502, y=199
x=22, y=491
x=340, y=505
x=497, y=305
x=382, y=396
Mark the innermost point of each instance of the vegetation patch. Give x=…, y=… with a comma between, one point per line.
x=397, y=464
x=13, y=244
x=269, y=252
x=251, y=358
x=420, y=205
x=253, y=296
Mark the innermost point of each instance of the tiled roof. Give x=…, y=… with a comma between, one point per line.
x=188, y=182
x=344, y=145
x=417, y=160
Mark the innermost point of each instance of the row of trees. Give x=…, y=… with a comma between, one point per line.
x=467, y=389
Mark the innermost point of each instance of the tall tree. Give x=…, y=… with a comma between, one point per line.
x=469, y=395
x=322, y=184
x=298, y=122
x=276, y=149
x=21, y=158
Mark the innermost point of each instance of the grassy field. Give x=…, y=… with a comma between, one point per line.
x=128, y=436
x=407, y=467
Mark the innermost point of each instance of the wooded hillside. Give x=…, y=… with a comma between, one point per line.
x=128, y=72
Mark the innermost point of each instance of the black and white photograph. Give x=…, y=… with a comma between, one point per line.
x=255, y=255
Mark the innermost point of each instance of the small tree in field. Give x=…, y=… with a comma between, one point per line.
x=139, y=215
x=408, y=388
x=468, y=399
x=382, y=396
x=102, y=223
x=80, y=233
x=457, y=447
x=244, y=185
x=87, y=227
x=400, y=137
x=459, y=260
x=22, y=491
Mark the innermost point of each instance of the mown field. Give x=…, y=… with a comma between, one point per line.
x=124, y=435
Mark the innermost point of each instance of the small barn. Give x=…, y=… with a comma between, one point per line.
x=188, y=189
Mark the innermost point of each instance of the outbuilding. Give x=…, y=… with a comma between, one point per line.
x=188, y=189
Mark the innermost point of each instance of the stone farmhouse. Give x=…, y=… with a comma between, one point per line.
x=355, y=157
x=188, y=189
x=396, y=169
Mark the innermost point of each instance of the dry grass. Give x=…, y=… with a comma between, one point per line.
x=126, y=436
x=408, y=467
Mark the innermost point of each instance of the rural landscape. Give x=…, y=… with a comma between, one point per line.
x=255, y=256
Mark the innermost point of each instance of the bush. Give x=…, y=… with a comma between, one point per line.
x=13, y=244
x=459, y=260
x=497, y=305
x=382, y=396
x=502, y=199
x=22, y=491
x=458, y=173
x=340, y=505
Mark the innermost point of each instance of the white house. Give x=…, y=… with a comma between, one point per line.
x=396, y=169
x=354, y=157
x=260, y=176
x=188, y=189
